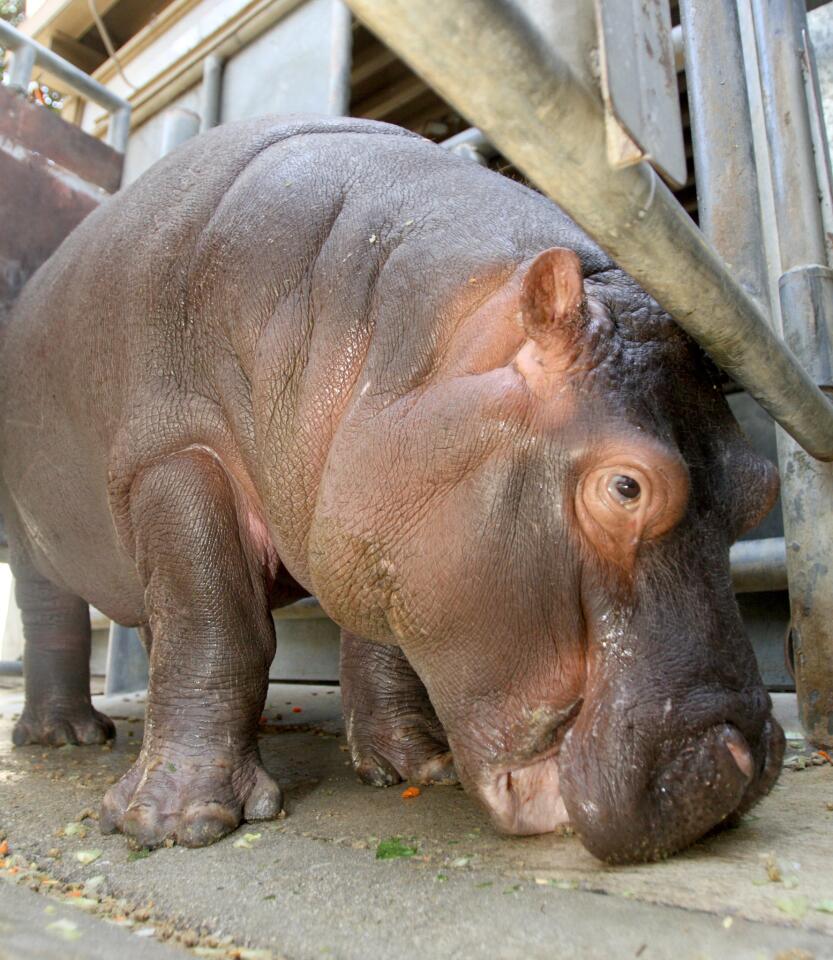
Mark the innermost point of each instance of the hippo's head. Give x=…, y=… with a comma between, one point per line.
x=553, y=557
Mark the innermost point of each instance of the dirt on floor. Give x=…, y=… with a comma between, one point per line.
x=358, y=872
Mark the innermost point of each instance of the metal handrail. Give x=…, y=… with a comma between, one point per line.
x=26, y=53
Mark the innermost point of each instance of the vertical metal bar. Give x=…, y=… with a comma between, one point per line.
x=806, y=302
x=728, y=200
x=341, y=60
x=127, y=662
x=212, y=89
x=178, y=125
x=119, y=129
x=819, y=135
x=21, y=66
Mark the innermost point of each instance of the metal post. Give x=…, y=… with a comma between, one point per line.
x=806, y=301
x=519, y=91
x=119, y=129
x=178, y=125
x=728, y=198
x=20, y=68
x=341, y=53
x=127, y=662
x=212, y=89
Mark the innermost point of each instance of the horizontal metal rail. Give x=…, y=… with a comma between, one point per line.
x=27, y=53
x=518, y=90
x=759, y=566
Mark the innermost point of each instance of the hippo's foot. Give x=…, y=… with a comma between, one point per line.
x=55, y=726
x=193, y=802
x=383, y=765
x=392, y=729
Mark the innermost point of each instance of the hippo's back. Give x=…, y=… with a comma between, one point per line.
x=144, y=331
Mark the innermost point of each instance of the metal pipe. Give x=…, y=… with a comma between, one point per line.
x=759, y=566
x=778, y=31
x=341, y=60
x=307, y=609
x=11, y=668
x=524, y=98
x=728, y=199
x=212, y=89
x=471, y=144
x=65, y=72
x=178, y=125
x=127, y=661
x=21, y=67
x=119, y=130
x=806, y=305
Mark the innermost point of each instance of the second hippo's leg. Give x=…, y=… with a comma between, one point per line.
x=392, y=729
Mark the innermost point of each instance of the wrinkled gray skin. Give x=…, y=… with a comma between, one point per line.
x=325, y=356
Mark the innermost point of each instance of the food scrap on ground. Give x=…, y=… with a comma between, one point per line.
x=394, y=848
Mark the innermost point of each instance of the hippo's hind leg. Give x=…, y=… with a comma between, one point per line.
x=199, y=770
x=392, y=729
x=56, y=661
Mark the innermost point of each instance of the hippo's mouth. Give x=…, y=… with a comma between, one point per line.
x=525, y=798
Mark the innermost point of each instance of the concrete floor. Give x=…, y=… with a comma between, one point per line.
x=310, y=886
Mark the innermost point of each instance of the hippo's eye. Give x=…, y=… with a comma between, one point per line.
x=625, y=489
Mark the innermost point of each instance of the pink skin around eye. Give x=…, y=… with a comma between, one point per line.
x=616, y=524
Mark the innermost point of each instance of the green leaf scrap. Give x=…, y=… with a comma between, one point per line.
x=393, y=848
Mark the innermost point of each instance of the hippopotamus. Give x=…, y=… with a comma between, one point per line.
x=317, y=356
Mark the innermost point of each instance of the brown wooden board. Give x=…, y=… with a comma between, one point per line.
x=42, y=131
x=52, y=175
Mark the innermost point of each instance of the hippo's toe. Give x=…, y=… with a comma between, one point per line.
x=56, y=726
x=193, y=802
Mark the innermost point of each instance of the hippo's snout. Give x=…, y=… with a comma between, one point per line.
x=696, y=786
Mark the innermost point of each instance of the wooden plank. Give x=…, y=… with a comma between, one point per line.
x=39, y=130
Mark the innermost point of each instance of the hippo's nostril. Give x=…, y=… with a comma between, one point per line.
x=740, y=751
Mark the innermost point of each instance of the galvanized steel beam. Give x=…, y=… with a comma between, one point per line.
x=487, y=59
x=806, y=304
x=759, y=566
x=728, y=193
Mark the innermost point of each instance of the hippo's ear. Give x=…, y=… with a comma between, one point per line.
x=552, y=297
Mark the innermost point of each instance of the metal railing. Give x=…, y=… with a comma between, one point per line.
x=552, y=128
x=27, y=53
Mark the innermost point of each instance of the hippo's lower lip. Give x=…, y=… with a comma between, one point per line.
x=527, y=799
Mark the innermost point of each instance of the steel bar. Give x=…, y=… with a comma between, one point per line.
x=210, y=94
x=341, y=62
x=21, y=67
x=728, y=200
x=127, y=663
x=178, y=125
x=524, y=98
x=307, y=609
x=806, y=305
x=65, y=72
x=759, y=566
x=472, y=144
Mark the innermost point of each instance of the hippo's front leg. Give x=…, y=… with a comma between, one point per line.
x=199, y=771
x=392, y=729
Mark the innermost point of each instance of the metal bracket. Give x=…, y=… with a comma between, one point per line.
x=639, y=86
